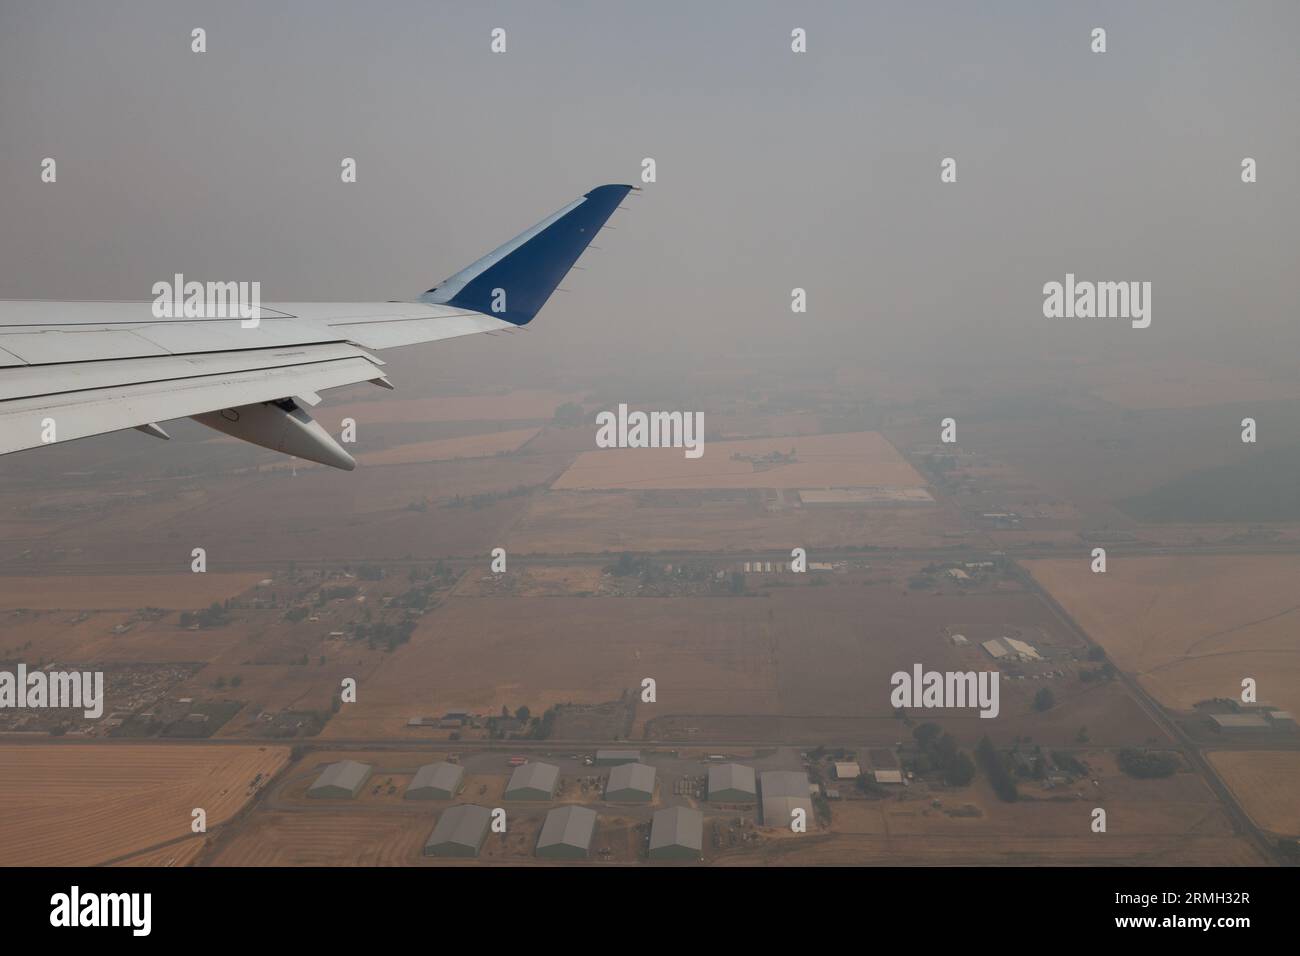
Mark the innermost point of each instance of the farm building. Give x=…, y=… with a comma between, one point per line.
x=847, y=771
x=1239, y=723
x=1282, y=719
x=461, y=831
x=566, y=834
x=1009, y=648
x=677, y=833
x=732, y=783
x=341, y=781
x=784, y=791
x=631, y=783
x=436, y=781
x=995, y=648
x=533, y=781
x=889, y=776
x=612, y=758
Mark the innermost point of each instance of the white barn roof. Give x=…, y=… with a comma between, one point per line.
x=635, y=777
x=570, y=826
x=346, y=775
x=436, y=778
x=677, y=827
x=540, y=777
x=463, y=826
x=732, y=777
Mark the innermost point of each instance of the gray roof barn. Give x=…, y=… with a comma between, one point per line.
x=435, y=781
x=732, y=783
x=341, y=781
x=611, y=758
x=533, y=781
x=461, y=831
x=677, y=833
x=783, y=792
x=631, y=783
x=567, y=832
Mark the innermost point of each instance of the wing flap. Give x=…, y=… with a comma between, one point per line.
x=28, y=422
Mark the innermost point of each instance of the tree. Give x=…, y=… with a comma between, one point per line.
x=1044, y=699
x=523, y=713
x=959, y=771
x=568, y=415
x=995, y=768
x=926, y=735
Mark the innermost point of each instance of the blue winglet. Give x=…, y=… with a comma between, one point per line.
x=514, y=281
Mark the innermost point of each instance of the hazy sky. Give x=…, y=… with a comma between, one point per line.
x=775, y=170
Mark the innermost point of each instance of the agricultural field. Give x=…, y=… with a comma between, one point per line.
x=123, y=592
x=1189, y=627
x=594, y=522
x=855, y=459
x=330, y=836
x=70, y=804
x=1267, y=783
x=790, y=661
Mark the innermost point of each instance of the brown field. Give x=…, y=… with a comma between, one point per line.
x=854, y=459
x=447, y=449
x=791, y=664
x=1190, y=628
x=180, y=853
x=327, y=837
x=124, y=592
x=593, y=522
x=274, y=516
x=1267, y=783
x=69, y=804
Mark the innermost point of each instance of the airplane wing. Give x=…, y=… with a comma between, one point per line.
x=69, y=370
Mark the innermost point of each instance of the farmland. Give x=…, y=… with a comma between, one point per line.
x=83, y=805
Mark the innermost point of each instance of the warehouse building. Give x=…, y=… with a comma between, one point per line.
x=1239, y=723
x=630, y=783
x=677, y=833
x=436, y=781
x=341, y=781
x=1281, y=719
x=1009, y=648
x=783, y=792
x=567, y=833
x=732, y=783
x=612, y=758
x=461, y=831
x=533, y=781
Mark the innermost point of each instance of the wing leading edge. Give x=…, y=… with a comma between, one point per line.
x=70, y=370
